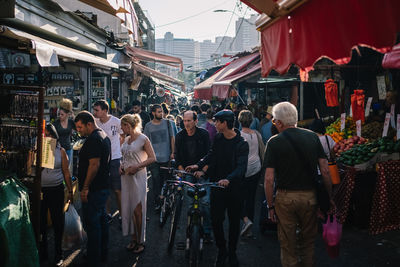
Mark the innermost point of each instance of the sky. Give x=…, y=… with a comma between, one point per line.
x=195, y=19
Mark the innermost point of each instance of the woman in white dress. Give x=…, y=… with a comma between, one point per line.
x=137, y=154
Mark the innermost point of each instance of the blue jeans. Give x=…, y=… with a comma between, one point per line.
x=96, y=227
x=204, y=203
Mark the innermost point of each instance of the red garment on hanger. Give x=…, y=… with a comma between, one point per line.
x=331, y=93
x=357, y=105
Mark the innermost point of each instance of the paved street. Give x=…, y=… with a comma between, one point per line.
x=357, y=248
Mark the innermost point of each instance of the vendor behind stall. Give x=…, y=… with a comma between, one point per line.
x=53, y=198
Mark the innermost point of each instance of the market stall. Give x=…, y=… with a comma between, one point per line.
x=368, y=158
x=21, y=134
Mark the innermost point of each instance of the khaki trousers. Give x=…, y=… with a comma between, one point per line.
x=297, y=227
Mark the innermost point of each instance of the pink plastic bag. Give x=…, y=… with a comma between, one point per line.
x=332, y=233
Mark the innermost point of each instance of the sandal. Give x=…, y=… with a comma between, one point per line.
x=139, y=248
x=132, y=245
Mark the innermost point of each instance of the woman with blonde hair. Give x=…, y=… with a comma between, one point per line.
x=137, y=154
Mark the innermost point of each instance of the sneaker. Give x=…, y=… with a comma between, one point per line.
x=207, y=238
x=246, y=227
x=221, y=258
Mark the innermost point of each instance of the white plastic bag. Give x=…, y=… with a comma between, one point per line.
x=73, y=231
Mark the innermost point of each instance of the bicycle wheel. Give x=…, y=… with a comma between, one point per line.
x=174, y=221
x=195, y=247
x=164, y=212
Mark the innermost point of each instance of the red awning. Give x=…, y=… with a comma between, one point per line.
x=391, y=60
x=328, y=28
x=153, y=73
x=205, y=90
x=139, y=54
x=224, y=85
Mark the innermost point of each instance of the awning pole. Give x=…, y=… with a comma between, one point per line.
x=238, y=95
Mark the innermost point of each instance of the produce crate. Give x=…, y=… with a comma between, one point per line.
x=386, y=156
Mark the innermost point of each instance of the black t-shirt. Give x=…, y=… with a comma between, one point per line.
x=190, y=149
x=64, y=134
x=291, y=173
x=223, y=166
x=97, y=145
x=145, y=118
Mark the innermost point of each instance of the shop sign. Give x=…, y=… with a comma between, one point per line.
x=7, y=9
x=368, y=107
x=381, y=83
x=386, y=125
x=10, y=59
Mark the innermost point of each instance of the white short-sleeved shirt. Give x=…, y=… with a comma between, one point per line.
x=113, y=130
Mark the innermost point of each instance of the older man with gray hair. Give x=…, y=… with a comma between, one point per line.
x=291, y=159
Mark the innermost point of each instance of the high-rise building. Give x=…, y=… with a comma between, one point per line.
x=177, y=47
x=247, y=36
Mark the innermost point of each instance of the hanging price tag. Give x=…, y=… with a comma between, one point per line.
x=398, y=126
x=392, y=117
x=358, y=126
x=368, y=107
x=342, y=121
x=381, y=84
x=386, y=125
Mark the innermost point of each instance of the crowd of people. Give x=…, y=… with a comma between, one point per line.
x=230, y=147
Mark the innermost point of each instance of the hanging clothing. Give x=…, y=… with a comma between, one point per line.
x=331, y=93
x=357, y=105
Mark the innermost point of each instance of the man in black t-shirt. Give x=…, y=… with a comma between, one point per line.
x=291, y=159
x=191, y=145
x=226, y=164
x=94, y=184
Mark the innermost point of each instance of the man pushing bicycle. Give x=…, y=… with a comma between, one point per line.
x=225, y=163
x=191, y=145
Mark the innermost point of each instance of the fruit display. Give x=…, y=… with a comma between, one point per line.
x=334, y=130
x=361, y=153
x=346, y=144
x=372, y=130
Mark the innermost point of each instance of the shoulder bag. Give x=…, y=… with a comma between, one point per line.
x=333, y=169
x=321, y=193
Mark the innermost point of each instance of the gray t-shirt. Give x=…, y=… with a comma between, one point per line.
x=160, y=138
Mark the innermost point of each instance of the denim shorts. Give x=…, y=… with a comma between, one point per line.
x=114, y=174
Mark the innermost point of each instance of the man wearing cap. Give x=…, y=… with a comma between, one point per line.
x=226, y=164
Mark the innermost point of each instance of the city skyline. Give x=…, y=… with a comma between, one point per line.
x=197, y=55
x=193, y=19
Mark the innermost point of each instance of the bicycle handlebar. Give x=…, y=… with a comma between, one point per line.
x=173, y=170
x=196, y=185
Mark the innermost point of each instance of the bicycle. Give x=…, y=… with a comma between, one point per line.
x=194, y=229
x=172, y=203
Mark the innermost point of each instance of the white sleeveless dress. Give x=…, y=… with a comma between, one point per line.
x=133, y=187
